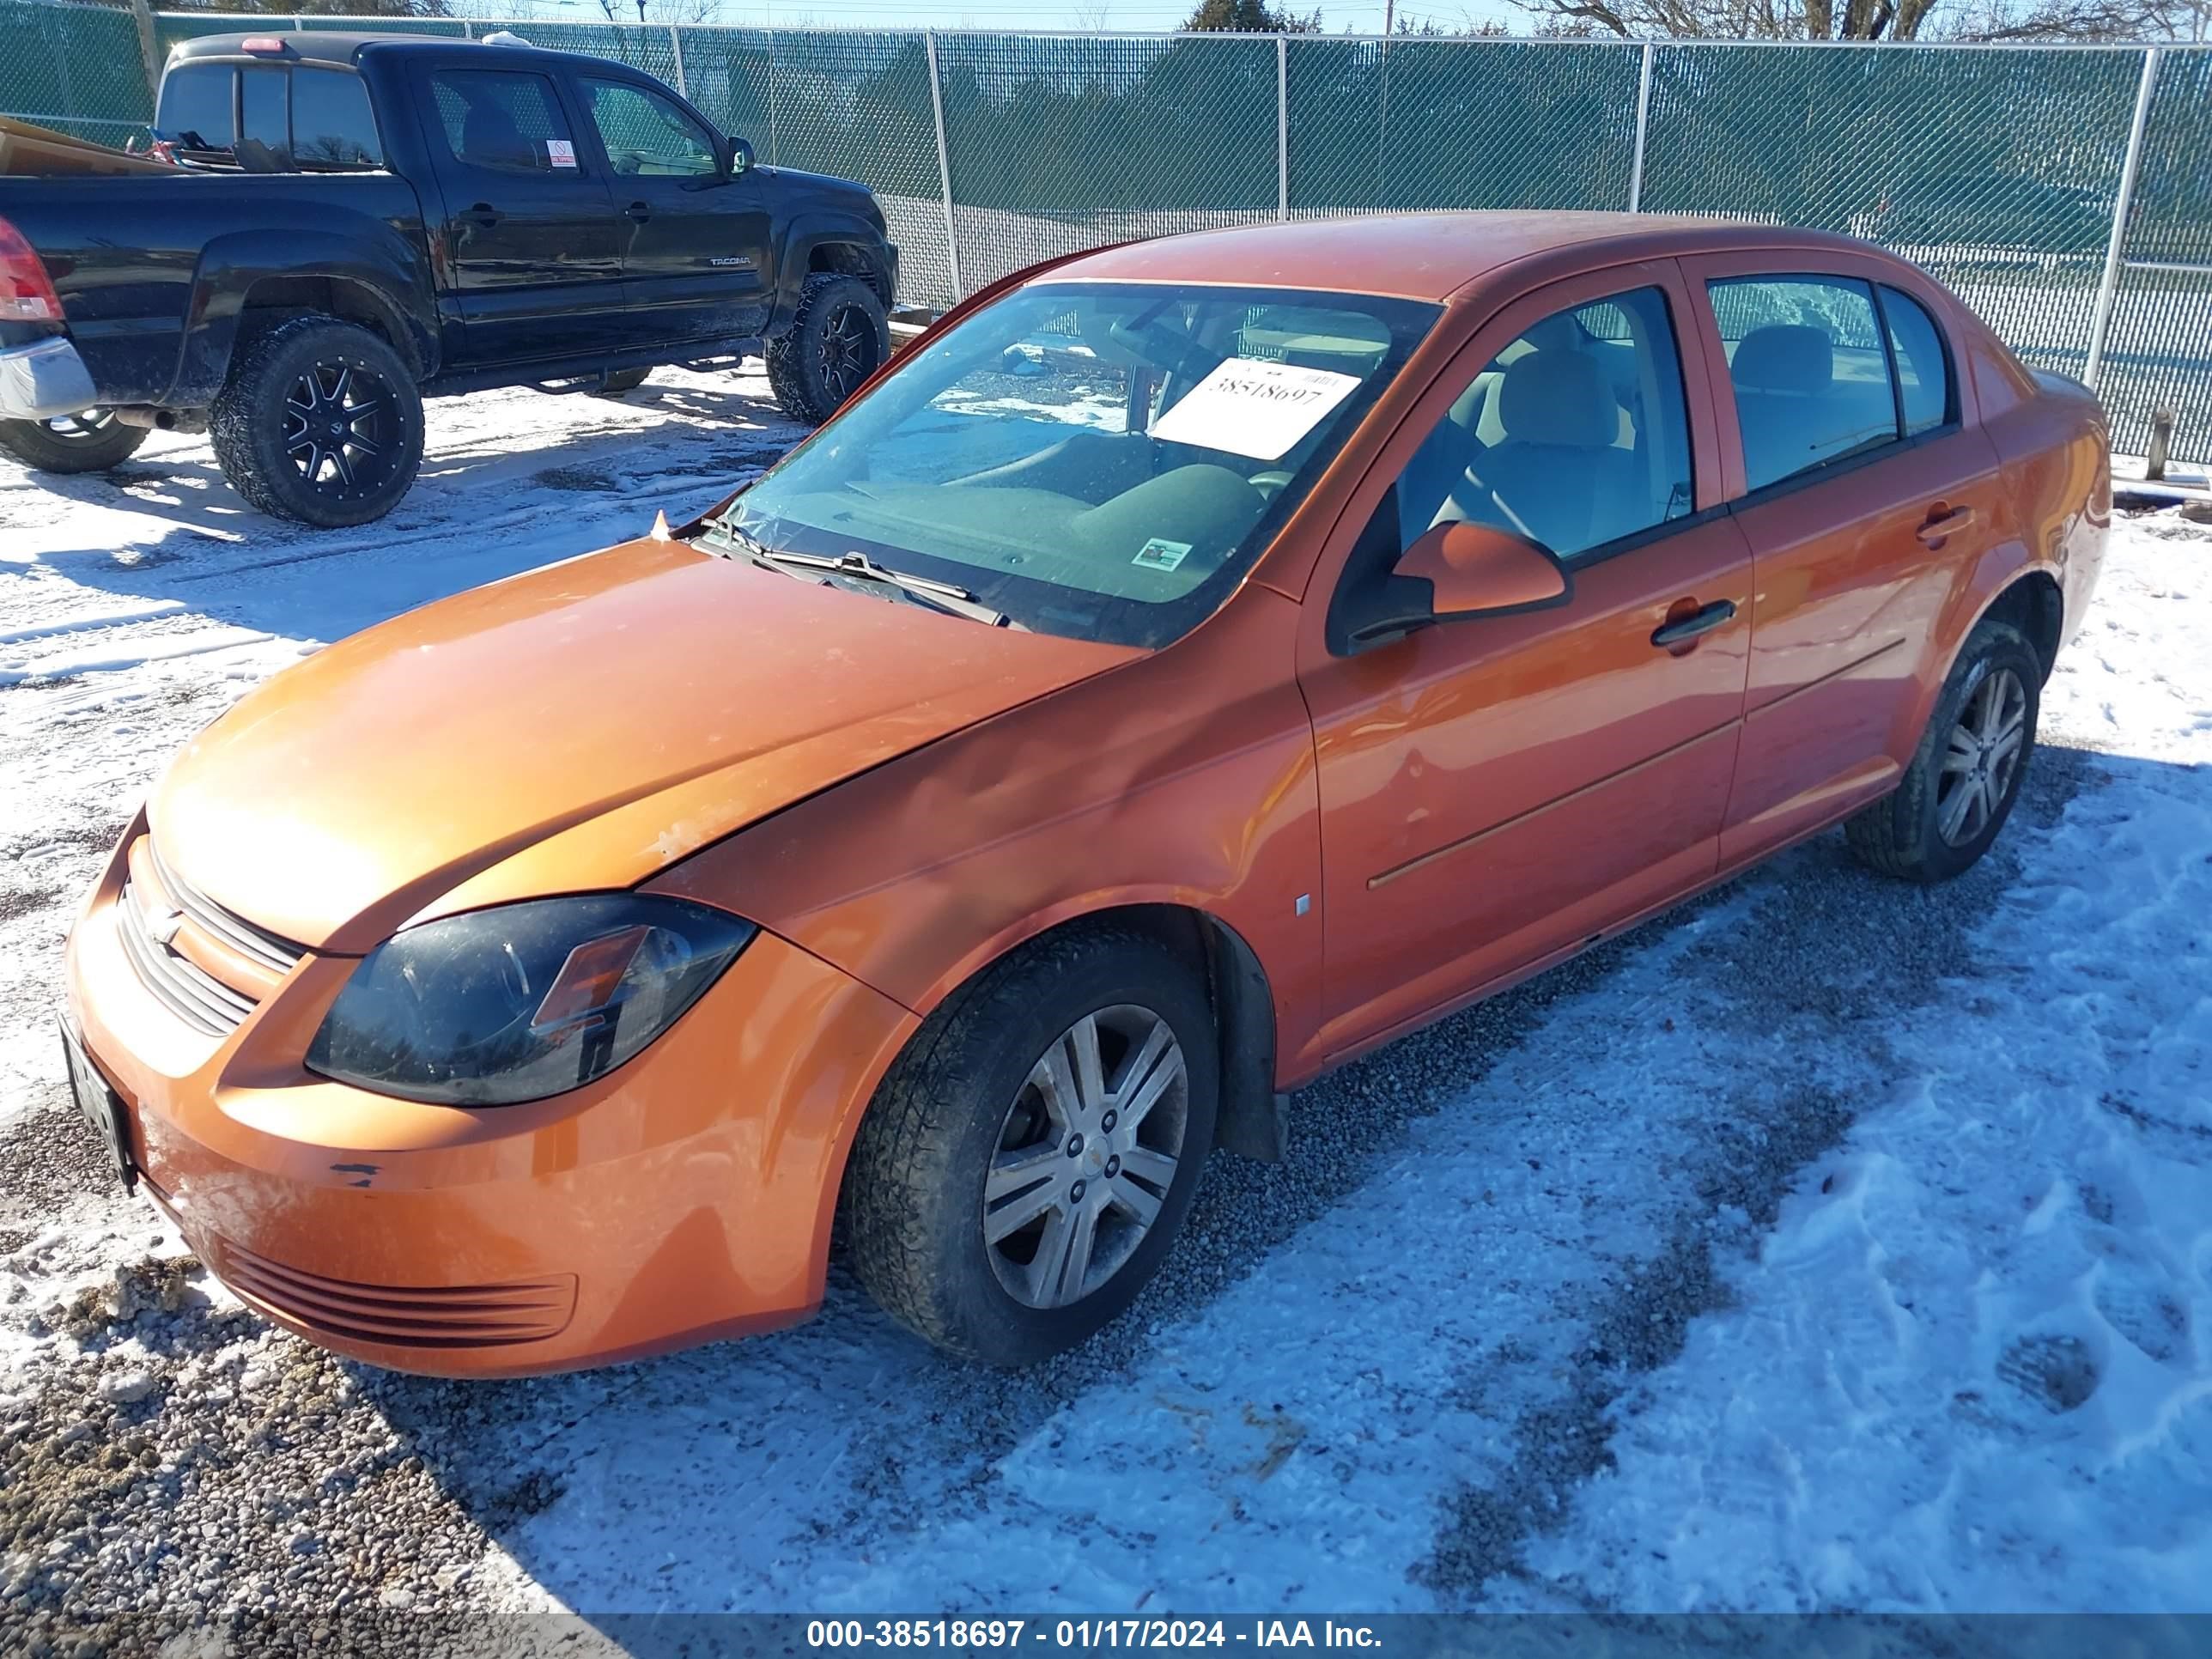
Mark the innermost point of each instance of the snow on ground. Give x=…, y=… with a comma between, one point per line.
x=1827, y=1243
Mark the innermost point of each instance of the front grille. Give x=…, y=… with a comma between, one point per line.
x=155, y=909
x=441, y=1316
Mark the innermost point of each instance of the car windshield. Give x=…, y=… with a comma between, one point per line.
x=1099, y=460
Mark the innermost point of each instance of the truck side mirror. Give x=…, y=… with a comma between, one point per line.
x=740, y=156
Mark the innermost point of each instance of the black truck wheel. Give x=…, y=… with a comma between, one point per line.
x=320, y=422
x=838, y=337
x=91, y=440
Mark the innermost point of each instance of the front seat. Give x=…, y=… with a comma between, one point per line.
x=1557, y=474
x=489, y=138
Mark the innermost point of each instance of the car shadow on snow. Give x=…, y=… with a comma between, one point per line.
x=777, y=1472
x=477, y=512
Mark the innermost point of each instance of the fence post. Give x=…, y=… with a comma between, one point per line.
x=150, y=53
x=1643, y=126
x=676, y=46
x=2100, y=320
x=944, y=166
x=1282, y=128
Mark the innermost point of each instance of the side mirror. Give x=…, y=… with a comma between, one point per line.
x=1477, y=570
x=1453, y=572
x=740, y=158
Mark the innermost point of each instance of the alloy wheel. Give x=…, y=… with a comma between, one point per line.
x=848, y=351
x=1086, y=1156
x=1982, y=758
x=82, y=427
x=341, y=429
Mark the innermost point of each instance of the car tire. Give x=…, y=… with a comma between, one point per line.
x=320, y=423
x=839, y=336
x=617, y=381
x=91, y=440
x=1956, y=794
x=969, y=1179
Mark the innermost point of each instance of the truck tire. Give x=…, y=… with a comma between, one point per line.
x=320, y=422
x=91, y=440
x=838, y=336
x=619, y=380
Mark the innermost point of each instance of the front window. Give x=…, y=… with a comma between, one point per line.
x=646, y=135
x=1099, y=460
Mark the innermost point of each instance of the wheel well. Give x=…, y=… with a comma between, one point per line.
x=274, y=298
x=2035, y=607
x=853, y=259
x=1249, y=1119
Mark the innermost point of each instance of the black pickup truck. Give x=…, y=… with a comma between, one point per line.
x=356, y=221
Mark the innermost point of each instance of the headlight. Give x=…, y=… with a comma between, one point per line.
x=514, y=1004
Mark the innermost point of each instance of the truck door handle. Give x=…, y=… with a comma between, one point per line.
x=640, y=211
x=1944, y=522
x=1697, y=623
x=485, y=215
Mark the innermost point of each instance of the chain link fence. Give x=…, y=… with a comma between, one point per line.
x=2065, y=192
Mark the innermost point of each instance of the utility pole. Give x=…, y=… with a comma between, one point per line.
x=1389, y=12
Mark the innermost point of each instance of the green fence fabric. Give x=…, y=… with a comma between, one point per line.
x=75, y=68
x=2000, y=170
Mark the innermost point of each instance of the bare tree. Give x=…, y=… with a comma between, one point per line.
x=1881, y=20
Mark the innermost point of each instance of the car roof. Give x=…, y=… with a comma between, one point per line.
x=1428, y=256
x=347, y=46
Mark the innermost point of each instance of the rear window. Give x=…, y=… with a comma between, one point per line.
x=269, y=117
x=197, y=108
x=264, y=122
x=332, y=126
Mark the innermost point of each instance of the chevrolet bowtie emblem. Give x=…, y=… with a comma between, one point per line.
x=162, y=928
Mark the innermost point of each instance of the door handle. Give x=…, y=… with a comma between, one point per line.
x=1697, y=622
x=1944, y=521
x=485, y=213
x=640, y=211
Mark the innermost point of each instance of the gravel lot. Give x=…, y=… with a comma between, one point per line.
x=1394, y=1373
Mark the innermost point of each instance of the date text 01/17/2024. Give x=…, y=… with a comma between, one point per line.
x=1084, y=1634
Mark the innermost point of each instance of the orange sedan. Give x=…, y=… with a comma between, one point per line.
x=1193, y=663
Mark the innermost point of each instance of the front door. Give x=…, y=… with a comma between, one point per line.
x=1498, y=790
x=528, y=236
x=1866, y=496
x=696, y=254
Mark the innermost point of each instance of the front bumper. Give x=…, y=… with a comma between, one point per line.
x=685, y=1196
x=42, y=379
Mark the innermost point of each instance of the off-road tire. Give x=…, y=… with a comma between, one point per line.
x=38, y=446
x=247, y=420
x=797, y=370
x=1899, y=833
x=619, y=380
x=914, y=1188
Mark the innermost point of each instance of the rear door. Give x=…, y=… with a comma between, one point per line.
x=530, y=238
x=1863, y=495
x=696, y=238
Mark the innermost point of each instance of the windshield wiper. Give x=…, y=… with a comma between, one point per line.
x=953, y=600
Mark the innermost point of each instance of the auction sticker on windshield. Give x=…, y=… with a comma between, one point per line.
x=1249, y=407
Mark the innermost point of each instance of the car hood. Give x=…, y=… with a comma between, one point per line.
x=580, y=726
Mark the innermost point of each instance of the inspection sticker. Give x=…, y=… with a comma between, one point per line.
x=1249, y=407
x=560, y=152
x=1161, y=554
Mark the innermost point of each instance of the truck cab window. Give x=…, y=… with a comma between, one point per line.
x=332, y=127
x=198, y=111
x=503, y=120
x=645, y=134
x=264, y=118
